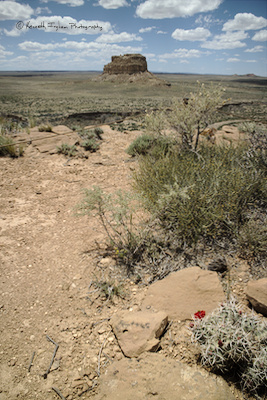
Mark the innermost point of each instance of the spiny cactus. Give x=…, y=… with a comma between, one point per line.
x=233, y=341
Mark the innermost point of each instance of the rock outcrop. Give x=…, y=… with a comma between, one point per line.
x=130, y=68
x=127, y=64
x=256, y=292
x=138, y=332
x=157, y=377
x=183, y=293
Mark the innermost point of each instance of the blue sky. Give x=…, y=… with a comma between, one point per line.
x=176, y=36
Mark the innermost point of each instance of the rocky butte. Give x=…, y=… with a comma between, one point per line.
x=130, y=68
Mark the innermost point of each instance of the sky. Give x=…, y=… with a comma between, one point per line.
x=176, y=36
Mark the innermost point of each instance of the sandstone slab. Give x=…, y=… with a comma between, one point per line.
x=138, y=332
x=256, y=292
x=157, y=377
x=185, y=292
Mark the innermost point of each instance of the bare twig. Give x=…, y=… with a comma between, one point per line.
x=30, y=365
x=53, y=357
x=58, y=393
x=100, y=352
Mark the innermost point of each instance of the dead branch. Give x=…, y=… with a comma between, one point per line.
x=53, y=357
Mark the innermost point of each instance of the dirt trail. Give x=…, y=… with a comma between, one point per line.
x=48, y=258
x=46, y=265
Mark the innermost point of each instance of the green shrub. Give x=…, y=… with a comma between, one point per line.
x=98, y=132
x=233, y=342
x=67, y=150
x=252, y=238
x=155, y=145
x=199, y=195
x=45, y=128
x=90, y=145
x=141, y=145
x=9, y=148
x=115, y=213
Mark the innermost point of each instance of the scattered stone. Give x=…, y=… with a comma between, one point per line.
x=107, y=262
x=139, y=331
x=154, y=376
x=256, y=292
x=183, y=293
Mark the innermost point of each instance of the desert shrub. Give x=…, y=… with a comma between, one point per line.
x=91, y=138
x=232, y=341
x=8, y=148
x=45, y=128
x=199, y=195
x=257, y=151
x=67, y=150
x=155, y=145
x=141, y=145
x=189, y=116
x=116, y=213
x=252, y=238
x=90, y=145
x=98, y=132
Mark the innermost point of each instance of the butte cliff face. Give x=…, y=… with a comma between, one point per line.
x=130, y=68
x=127, y=64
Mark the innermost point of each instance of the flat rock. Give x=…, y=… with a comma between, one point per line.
x=139, y=331
x=256, y=292
x=61, y=129
x=183, y=293
x=160, y=378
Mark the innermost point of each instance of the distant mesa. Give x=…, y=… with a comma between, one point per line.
x=130, y=68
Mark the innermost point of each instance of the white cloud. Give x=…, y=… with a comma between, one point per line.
x=96, y=49
x=42, y=10
x=244, y=22
x=158, y=9
x=161, y=33
x=197, y=34
x=182, y=53
x=233, y=60
x=10, y=10
x=58, y=24
x=117, y=38
x=228, y=40
x=260, y=36
x=148, y=29
x=112, y=4
x=72, y=3
x=207, y=20
x=256, y=49
x=4, y=53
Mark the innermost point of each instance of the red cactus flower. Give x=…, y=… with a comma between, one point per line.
x=220, y=343
x=200, y=314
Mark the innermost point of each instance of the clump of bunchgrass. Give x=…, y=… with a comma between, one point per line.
x=116, y=213
x=8, y=148
x=91, y=139
x=233, y=342
x=67, y=150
